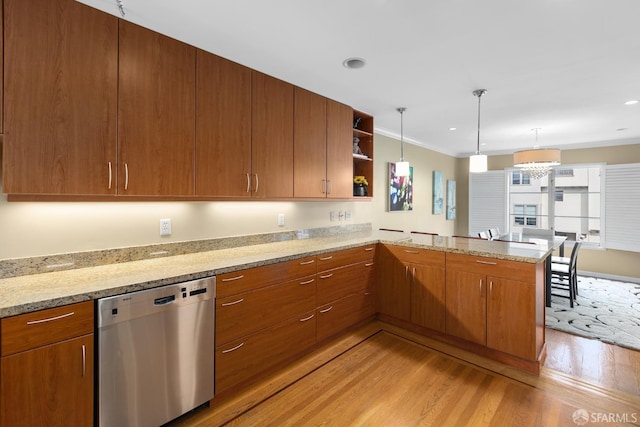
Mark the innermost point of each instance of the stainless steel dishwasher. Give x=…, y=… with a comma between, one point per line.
x=155, y=353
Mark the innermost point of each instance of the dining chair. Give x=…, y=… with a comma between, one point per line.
x=424, y=232
x=484, y=235
x=390, y=229
x=565, y=276
x=494, y=233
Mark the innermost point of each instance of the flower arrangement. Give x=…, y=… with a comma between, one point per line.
x=360, y=180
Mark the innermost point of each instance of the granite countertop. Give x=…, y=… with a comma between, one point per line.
x=45, y=290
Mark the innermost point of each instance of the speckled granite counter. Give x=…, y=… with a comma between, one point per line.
x=45, y=290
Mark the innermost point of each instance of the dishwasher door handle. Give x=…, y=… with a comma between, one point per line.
x=164, y=300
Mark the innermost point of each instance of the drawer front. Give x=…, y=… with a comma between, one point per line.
x=520, y=271
x=242, y=314
x=340, y=282
x=33, y=330
x=339, y=315
x=258, y=277
x=242, y=359
x=332, y=260
x=418, y=256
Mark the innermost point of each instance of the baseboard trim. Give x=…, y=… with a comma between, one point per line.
x=609, y=276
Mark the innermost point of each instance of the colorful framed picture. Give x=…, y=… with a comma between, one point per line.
x=451, y=199
x=438, y=193
x=400, y=190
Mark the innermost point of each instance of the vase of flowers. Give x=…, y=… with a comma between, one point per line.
x=360, y=186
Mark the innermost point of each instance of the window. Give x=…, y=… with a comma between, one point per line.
x=525, y=215
x=520, y=178
x=569, y=200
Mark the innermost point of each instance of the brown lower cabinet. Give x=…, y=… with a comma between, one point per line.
x=338, y=315
x=46, y=368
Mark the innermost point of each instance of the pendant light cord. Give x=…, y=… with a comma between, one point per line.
x=401, y=110
x=479, y=94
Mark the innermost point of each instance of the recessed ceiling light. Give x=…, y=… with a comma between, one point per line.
x=354, y=63
x=452, y=128
x=631, y=102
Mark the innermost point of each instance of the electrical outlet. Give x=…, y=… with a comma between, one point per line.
x=280, y=220
x=165, y=227
x=347, y=215
x=332, y=216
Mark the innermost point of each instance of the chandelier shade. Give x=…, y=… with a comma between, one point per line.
x=537, y=162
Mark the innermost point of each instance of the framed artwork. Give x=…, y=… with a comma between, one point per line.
x=400, y=190
x=451, y=199
x=438, y=193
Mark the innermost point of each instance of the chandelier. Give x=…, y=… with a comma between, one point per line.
x=537, y=162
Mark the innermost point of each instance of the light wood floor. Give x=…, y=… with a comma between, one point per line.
x=396, y=378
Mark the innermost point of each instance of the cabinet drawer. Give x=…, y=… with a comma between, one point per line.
x=418, y=256
x=339, y=315
x=340, y=282
x=337, y=259
x=245, y=313
x=258, y=277
x=521, y=271
x=242, y=359
x=32, y=330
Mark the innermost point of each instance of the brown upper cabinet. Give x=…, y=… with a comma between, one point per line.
x=339, y=150
x=223, y=127
x=156, y=114
x=60, y=77
x=271, y=137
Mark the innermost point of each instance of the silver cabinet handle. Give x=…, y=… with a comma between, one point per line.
x=368, y=264
x=326, y=310
x=50, y=319
x=233, y=349
x=330, y=186
x=307, y=318
x=368, y=249
x=491, y=289
x=307, y=282
x=326, y=276
x=126, y=176
x=257, y=183
x=411, y=252
x=227, y=304
x=308, y=262
x=248, y=183
x=486, y=262
x=480, y=287
x=231, y=279
x=324, y=186
x=84, y=360
x=366, y=294
x=327, y=258
x=110, y=175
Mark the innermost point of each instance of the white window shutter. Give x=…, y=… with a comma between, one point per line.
x=622, y=207
x=487, y=201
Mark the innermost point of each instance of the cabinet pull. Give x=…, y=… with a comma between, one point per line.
x=406, y=272
x=110, y=175
x=491, y=289
x=486, y=262
x=326, y=276
x=84, y=360
x=324, y=186
x=368, y=264
x=248, y=183
x=257, y=183
x=307, y=318
x=326, y=310
x=411, y=252
x=126, y=176
x=329, y=186
x=327, y=258
x=233, y=349
x=307, y=282
x=49, y=319
x=480, y=287
x=227, y=304
x=231, y=279
x=368, y=249
x=308, y=262
x=366, y=294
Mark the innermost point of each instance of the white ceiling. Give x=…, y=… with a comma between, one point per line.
x=565, y=66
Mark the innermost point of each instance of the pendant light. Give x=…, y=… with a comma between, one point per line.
x=402, y=167
x=478, y=162
x=537, y=162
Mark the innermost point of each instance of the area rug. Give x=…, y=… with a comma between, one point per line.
x=606, y=310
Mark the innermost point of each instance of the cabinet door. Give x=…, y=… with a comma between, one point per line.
x=466, y=312
x=223, y=127
x=394, y=291
x=511, y=317
x=156, y=114
x=339, y=315
x=271, y=137
x=48, y=386
x=309, y=144
x=61, y=65
x=428, y=296
x=339, y=150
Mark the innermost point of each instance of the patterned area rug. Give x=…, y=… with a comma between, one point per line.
x=606, y=310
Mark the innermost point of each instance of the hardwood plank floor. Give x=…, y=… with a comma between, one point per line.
x=381, y=375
